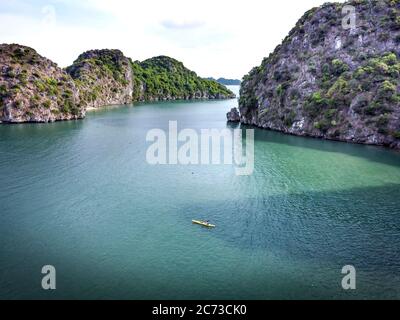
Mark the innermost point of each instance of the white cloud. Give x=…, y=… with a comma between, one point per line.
x=182, y=24
x=212, y=37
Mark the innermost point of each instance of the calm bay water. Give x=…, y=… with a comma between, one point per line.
x=81, y=196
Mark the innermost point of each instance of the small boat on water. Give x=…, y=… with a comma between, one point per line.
x=203, y=223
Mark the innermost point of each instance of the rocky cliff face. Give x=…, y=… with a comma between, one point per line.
x=34, y=89
x=329, y=82
x=233, y=115
x=103, y=77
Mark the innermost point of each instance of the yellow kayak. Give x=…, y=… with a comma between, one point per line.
x=203, y=223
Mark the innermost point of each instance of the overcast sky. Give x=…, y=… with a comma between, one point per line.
x=219, y=38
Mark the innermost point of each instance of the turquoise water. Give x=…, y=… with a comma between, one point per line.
x=81, y=196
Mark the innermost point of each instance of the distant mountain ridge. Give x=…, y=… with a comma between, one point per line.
x=35, y=89
x=227, y=82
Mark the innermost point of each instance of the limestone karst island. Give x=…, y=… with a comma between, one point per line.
x=199, y=151
x=329, y=82
x=35, y=89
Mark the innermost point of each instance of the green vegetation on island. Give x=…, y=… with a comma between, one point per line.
x=330, y=82
x=164, y=78
x=34, y=89
x=103, y=77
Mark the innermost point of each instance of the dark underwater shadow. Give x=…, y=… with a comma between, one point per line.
x=371, y=153
x=358, y=226
x=328, y=229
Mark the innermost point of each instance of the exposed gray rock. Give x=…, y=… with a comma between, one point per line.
x=233, y=115
x=104, y=77
x=34, y=89
x=328, y=82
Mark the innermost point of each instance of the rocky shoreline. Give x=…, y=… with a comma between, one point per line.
x=34, y=89
x=331, y=83
x=233, y=115
x=306, y=135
